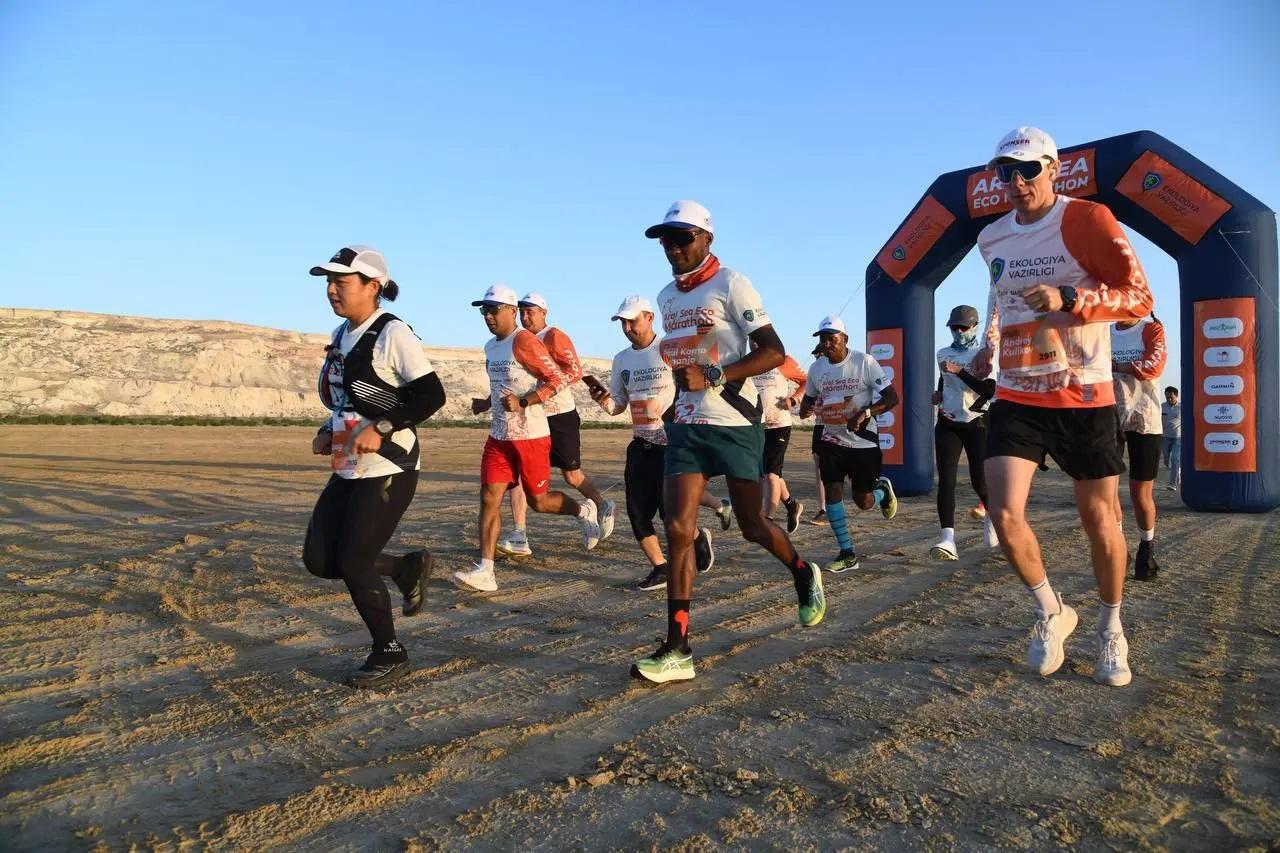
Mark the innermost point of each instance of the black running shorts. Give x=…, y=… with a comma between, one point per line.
x=566, y=440
x=1144, y=456
x=1082, y=441
x=861, y=465
x=817, y=438
x=775, y=449
x=644, y=478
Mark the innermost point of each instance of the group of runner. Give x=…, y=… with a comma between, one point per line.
x=1078, y=354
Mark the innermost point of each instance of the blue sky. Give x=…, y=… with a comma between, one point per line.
x=195, y=159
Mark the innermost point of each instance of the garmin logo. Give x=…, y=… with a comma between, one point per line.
x=882, y=352
x=1224, y=327
x=1224, y=413
x=1224, y=442
x=1223, y=357
x=1224, y=386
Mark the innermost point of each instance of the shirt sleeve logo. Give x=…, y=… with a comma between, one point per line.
x=749, y=315
x=626, y=377
x=997, y=267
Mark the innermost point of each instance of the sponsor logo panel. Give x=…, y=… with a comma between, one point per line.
x=1172, y=196
x=885, y=346
x=915, y=238
x=1228, y=377
x=987, y=196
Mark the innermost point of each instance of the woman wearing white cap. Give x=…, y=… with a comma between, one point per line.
x=377, y=383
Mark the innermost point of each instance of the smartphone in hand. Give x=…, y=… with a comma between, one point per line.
x=591, y=382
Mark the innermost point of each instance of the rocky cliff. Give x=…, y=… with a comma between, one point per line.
x=68, y=362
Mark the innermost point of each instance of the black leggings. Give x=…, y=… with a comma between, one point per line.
x=351, y=523
x=948, y=438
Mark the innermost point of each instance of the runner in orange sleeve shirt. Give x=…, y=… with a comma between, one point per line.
x=566, y=427
x=1061, y=269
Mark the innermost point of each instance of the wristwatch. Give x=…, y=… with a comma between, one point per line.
x=524, y=404
x=714, y=374
x=1069, y=297
x=383, y=427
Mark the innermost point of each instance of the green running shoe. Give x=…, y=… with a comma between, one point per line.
x=843, y=562
x=666, y=664
x=888, y=506
x=811, y=614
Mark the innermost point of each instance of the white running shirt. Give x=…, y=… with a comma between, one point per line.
x=710, y=325
x=842, y=389
x=642, y=381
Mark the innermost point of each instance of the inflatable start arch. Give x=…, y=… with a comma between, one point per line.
x=1224, y=241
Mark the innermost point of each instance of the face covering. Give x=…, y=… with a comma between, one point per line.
x=964, y=340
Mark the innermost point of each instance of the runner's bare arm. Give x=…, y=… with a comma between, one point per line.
x=769, y=353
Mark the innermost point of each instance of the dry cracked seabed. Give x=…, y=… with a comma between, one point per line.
x=171, y=676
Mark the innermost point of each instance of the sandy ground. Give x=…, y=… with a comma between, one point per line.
x=171, y=677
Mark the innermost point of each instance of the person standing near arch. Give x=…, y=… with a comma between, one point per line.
x=708, y=314
x=377, y=384
x=566, y=429
x=961, y=399
x=1061, y=270
x=1138, y=357
x=1171, y=445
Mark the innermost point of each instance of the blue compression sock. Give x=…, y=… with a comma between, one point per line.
x=879, y=494
x=839, y=525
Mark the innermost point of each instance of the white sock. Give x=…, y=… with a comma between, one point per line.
x=1046, y=600
x=949, y=534
x=486, y=563
x=1109, y=618
x=1147, y=535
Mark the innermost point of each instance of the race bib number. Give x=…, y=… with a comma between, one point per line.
x=646, y=413
x=833, y=413
x=1032, y=349
x=344, y=424
x=690, y=349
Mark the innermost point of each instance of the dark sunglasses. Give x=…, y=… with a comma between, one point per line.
x=492, y=309
x=677, y=238
x=1028, y=169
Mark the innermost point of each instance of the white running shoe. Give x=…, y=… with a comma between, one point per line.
x=476, y=579
x=606, y=519
x=944, y=550
x=1112, y=668
x=1045, y=654
x=515, y=544
x=590, y=525
x=989, y=534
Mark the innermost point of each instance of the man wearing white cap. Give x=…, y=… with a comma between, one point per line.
x=1061, y=270
x=564, y=423
x=522, y=377
x=640, y=381
x=708, y=314
x=851, y=390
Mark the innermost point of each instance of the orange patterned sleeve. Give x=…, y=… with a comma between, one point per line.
x=791, y=371
x=1094, y=238
x=1154, y=354
x=564, y=354
x=533, y=357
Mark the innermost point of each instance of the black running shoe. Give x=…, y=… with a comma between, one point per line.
x=704, y=556
x=412, y=580
x=1145, y=567
x=794, y=509
x=378, y=674
x=656, y=579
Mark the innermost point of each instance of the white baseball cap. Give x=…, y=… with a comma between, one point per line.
x=533, y=300
x=355, y=259
x=632, y=307
x=1024, y=143
x=831, y=323
x=684, y=215
x=498, y=294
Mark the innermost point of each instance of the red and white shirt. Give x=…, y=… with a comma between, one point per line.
x=1138, y=396
x=1060, y=359
x=773, y=386
x=519, y=363
x=566, y=358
